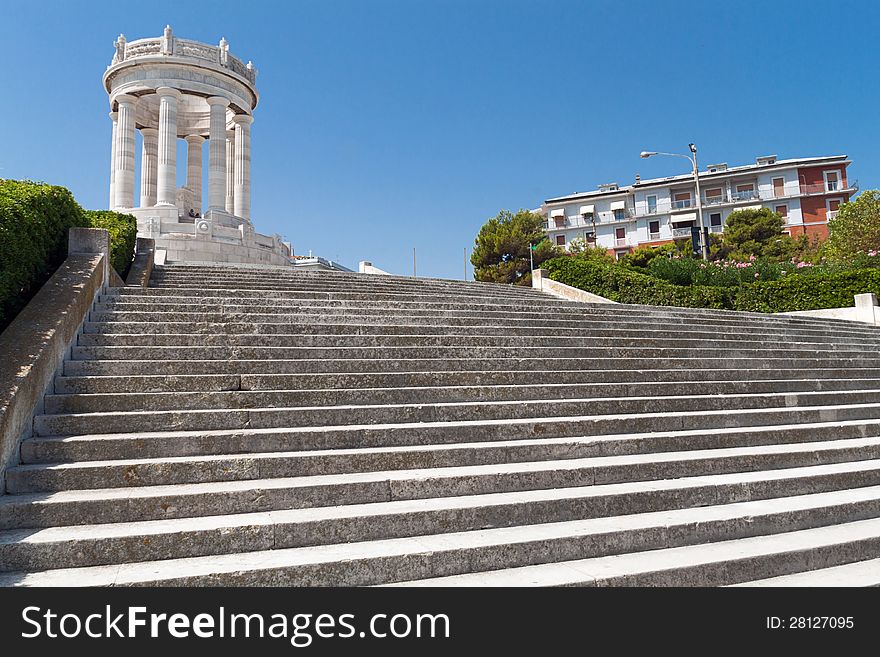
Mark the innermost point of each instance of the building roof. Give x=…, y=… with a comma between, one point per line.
x=704, y=175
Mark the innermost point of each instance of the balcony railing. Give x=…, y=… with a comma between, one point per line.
x=621, y=241
x=832, y=213
x=681, y=232
x=642, y=209
x=653, y=236
x=830, y=188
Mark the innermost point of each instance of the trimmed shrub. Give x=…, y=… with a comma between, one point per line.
x=808, y=292
x=123, y=233
x=34, y=221
x=793, y=292
x=619, y=284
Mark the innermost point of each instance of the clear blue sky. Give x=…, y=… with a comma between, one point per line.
x=391, y=124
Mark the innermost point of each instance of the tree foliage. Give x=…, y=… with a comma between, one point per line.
x=750, y=232
x=501, y=249
x=856, y=228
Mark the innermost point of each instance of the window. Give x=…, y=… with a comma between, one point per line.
x=713, y=195
x=619, y=214
x=778, y=187
x=654, y=229
x=560, y=222
x=560, y=240
x=745, y=191
x=832, y=205
x=620, y=236
x=590, y=237
x=782, y=211
x=652, y=204
x=832, y=181
x=715, y=221
x=681, y=200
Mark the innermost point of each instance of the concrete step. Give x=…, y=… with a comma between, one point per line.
x=335, y=305
x=607, y=330
x=858, y=573
x=445, y=318
x=166, y=401
x=329, y=450
x=247, y=441
x=788, y=533
x=156, y=353
x=421, y=412
x=409, y=365
x=670, y=341
x=710, y=564
x=434, y=482
x=183, y=501
x=125, y=542
x=452, y=305
x=146, y=383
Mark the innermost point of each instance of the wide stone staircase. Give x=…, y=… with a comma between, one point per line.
x=243, y=426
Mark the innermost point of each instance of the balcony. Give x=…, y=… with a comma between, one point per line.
x=682, y=205
x=838, y=187
x=681, y=232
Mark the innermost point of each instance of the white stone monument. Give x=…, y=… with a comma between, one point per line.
x=170, y=88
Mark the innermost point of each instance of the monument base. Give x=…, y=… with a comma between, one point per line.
x=215, y=237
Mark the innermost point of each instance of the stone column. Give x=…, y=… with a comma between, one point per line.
x=230, y=171
x=149, y=157
x=217, y=154
x=194, y=169
x=166, y=187
x=123, y=176
x=243, y=165
x=113, y=118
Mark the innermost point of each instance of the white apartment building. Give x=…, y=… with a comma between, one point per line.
x=806, y=192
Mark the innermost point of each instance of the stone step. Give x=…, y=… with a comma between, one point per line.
x=408, y=446
x=525, y=365
x=605, y=330
x=657, y=340
x=441, y=318
x=163, y=502
x=367, y=299
x=434, y=482
x=329, y=305
x=858, y=573
x=453, y=305
x=156, y=353
x=788, y=533
x=202, y=399
x=186, y=286
x=421, y=412
x=710, y=564
x=248, y=441
x=150, y=540
x=206, y=383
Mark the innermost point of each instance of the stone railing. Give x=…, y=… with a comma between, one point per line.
x=217, y=55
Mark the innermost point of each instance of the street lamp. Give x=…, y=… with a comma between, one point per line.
x=704, y=243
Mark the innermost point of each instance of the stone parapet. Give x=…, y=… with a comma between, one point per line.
x=35, y=344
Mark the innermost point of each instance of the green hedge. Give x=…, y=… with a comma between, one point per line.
x=34, y=221
x=808, y=292
x=123, y=233
x=625, y=286
x=802, y=292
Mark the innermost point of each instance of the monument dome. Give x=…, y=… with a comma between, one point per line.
x=167, y=88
